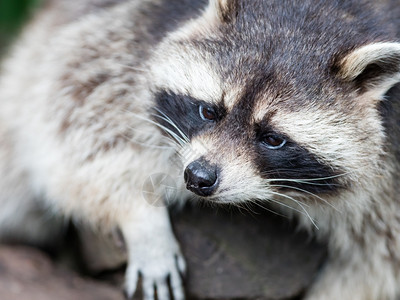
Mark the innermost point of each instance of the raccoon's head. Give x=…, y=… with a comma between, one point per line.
x=270, y=99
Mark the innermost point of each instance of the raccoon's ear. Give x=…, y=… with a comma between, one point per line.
x=374, y=68
x=223, y=10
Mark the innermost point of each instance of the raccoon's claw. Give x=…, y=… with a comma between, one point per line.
x=131, y=278
x=158, y=278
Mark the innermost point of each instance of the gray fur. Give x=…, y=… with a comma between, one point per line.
x=98, y=96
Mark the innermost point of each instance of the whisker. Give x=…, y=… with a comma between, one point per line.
x=303, y=211
x=298, y=203
x=180, y=141
x=244, y=206
x=169, y=120
x=267, y=209
x=307, y=192
x=288, y=197
x=167, y=130
x=306, y=180
x=300, y=181
x=182, y=135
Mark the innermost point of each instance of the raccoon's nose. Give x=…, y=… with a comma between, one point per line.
x=201, y=178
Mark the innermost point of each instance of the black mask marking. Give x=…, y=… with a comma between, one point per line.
x=295, y=168
x=183, y=111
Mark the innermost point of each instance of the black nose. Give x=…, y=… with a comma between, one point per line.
x=201, y=177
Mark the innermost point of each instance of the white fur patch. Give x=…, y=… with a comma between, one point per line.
x=356, y=62
x=186, y=72
x=153, y=252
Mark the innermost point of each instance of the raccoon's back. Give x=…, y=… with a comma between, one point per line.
x=157, y=17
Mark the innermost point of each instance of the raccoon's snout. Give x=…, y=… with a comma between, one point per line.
x=201, y=177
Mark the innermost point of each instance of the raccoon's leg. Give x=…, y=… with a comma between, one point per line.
x=153, y=253
x=107, y=191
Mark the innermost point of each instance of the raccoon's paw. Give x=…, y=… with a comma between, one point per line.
x=158, y=274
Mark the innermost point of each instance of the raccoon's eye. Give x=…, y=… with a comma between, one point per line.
x=207, y=113
x=272, y=141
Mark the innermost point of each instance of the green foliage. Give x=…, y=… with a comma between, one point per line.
x=13, y=13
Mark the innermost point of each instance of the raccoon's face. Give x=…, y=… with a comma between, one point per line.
x=261, y=108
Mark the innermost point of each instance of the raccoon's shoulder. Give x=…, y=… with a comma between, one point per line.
x=91, y=40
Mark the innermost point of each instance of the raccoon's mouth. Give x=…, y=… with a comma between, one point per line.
x=201, y=177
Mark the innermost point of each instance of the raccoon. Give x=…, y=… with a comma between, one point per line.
x=291, y=103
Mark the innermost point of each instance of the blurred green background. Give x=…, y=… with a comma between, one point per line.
x=13, y=14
